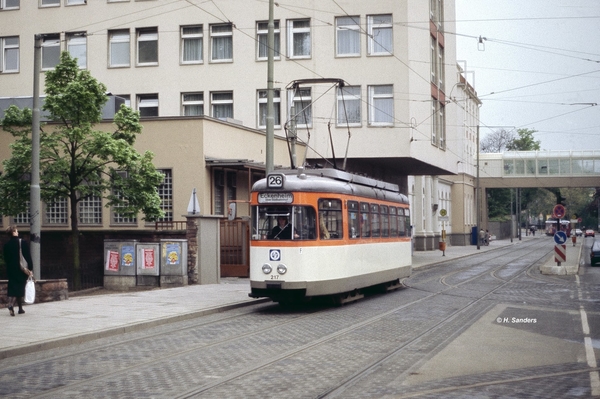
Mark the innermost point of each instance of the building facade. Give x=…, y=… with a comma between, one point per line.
x=397, y=112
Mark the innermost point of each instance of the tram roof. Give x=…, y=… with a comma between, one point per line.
x=333, y=181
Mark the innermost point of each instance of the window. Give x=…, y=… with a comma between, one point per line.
x=90, y=210
x=10, y=4
x=262, y=30
x=262, y=108
x=301, y=101
x=50, y=51
x=191, y=44
x=347, y=30
x=147, y=46
x=299, y=38
x=126, y=98
x=118, y=218
x=385, y=221
x=438, y=125
x=219, y=190
x=365, y=223
x=165, y=192
x=23, y=217
x=77, y=48
x=436, y=12
x=330, y=219
x=380, y=34
x=221, y=37
x=222, y=104
x=353, y=219
x=434, y=121
x=402, y=225
x=148, y=105
x=192, y=104
x=50, y=3
x=375, y=221
x=119, y=48
x=9, y=58
x=76, y=2
x=279, y=222
x=393, y=222
x=57, y=212
x=381, y=105
x=348, y=106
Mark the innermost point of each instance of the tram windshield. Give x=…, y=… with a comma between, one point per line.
x=283, y=223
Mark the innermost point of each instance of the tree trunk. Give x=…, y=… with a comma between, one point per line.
x=75, y=239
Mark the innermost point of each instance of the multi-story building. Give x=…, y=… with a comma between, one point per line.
x=183, y=61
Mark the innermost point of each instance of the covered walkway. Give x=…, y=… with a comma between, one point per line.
x=540, y=169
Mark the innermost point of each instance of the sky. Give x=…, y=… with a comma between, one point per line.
x=538, y=67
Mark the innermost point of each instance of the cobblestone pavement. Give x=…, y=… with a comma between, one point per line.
x=449, y=334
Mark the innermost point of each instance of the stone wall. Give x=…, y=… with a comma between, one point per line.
x=45, y=291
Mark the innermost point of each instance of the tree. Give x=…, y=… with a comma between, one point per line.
x=497, y=141
x=524, y=141
x=76, y=161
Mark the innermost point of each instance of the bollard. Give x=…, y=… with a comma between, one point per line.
x=574, y=239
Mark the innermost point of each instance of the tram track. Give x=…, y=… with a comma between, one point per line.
x=236, y=373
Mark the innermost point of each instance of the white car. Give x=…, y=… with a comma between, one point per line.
x=577, y=232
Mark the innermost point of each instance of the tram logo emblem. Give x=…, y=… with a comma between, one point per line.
x=274, y=254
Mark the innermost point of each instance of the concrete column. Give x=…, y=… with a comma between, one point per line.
x=428, y=186
x=417, y=216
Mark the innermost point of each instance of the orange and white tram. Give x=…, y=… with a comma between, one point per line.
x=325, y=232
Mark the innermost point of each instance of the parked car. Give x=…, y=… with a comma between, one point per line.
x=577, y=232
x=595, y=253
x=590, y=233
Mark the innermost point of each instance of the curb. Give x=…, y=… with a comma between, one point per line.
x=109, y=332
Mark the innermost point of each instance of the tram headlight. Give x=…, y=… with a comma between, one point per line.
x=281, y=268
x=266, y=268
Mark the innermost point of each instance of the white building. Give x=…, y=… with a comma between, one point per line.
x=402, y=111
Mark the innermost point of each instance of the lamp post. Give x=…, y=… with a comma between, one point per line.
x=270, y=133
x=35, y=224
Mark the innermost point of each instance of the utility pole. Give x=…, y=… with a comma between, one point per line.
x=270, y=73
x=35, y=223
x=478, y=195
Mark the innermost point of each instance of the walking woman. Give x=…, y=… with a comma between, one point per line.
x=16, y=277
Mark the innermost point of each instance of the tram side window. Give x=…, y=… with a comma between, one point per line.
x=375, y=221
x=365, y=223
x=407, y=221
x=385, y=221
x=401, y=223
x=393, y=222
x=353, y=219
x=330, y=218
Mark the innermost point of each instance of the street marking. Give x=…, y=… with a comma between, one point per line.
x=589, y=348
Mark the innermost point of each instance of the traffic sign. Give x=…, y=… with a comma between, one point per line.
x=579, y=220
x=560, y=253
x=559, y=211
x=443, y=212
x=560, y=237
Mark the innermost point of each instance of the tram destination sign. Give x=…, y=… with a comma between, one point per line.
x=275, y=198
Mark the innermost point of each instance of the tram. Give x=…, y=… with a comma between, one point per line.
x=551, y=226
x=326, y=233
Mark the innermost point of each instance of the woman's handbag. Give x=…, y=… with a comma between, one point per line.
x=22, y=261
x=30, y=291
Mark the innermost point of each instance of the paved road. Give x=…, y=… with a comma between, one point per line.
x=485, y=326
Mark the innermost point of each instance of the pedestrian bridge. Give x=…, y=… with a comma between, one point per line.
x=540, y=169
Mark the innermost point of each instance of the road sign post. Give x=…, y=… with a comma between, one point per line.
x=560, y=254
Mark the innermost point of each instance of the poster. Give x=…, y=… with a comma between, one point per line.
x=149, y=258
x=173, y=254
x=127, y=255
x=112, y=261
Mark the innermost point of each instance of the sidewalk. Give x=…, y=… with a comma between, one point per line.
x=84, y=318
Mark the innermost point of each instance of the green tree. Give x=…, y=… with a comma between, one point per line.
x=76, y=161
x=524, y=141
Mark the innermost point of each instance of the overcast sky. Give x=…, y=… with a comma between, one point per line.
x=537, y=68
